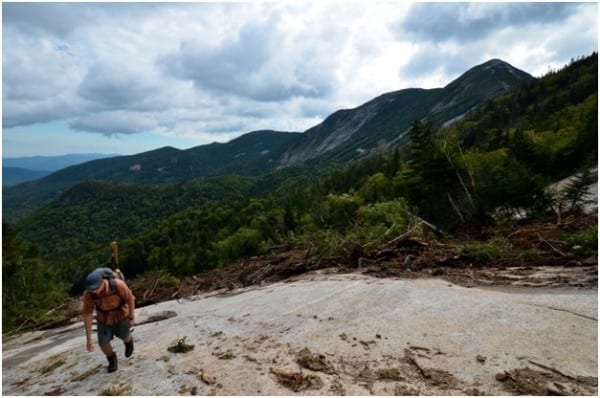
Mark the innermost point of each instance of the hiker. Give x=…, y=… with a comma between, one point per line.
x=114, y=304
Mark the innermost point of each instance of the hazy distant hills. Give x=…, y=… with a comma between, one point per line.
x=344, y=136
x=16, y=175
x=20, y=169
x=52, y=163
x=250, y=154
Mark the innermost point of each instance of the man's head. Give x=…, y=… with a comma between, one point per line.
x=93, y=281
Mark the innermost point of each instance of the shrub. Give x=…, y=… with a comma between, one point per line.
x=378, y=223
x=585, y=241
x=485, y=253
x=339, y=211
x=244, y=242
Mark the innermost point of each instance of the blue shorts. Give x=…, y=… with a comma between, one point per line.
x=107, y=332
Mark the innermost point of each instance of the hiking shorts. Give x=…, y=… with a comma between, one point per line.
x=107, y=332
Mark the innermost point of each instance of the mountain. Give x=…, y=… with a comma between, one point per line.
x=16, y=175
x=495, y=160
x=52, y=163
x=383, y=121
x=344, y=136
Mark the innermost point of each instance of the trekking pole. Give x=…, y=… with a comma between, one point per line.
x=115, y=251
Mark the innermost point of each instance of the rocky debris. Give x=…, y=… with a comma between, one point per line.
x=296, y=381
x=86, y=374
x=180, y=346
x=206, y=377
x=410, y=257
x=527, y=381
x=337, y=388
x=404, y=390
x=228, y=354
x=58, y=390
x=316, y=362
x=413, y=376
x=54, y=364
x=157, y=317
x=434, y=377
x=117, y=390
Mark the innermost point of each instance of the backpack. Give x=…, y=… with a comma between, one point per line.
x=109, y=274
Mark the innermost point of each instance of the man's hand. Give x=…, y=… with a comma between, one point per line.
x=131, y=323
x=87, y=323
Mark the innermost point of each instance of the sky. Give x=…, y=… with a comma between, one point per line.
x=131, y=77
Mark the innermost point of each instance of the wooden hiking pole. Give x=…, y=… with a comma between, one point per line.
x=115, y=251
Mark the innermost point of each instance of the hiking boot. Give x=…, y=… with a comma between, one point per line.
x=112, y=362
x=129, y=348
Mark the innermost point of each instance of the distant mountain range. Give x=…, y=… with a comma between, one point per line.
x=20, y=169
x=52, y=163
x=344, y=136
x=16, y=175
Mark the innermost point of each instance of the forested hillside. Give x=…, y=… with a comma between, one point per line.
x=345, y=136
x=251, y=154
x=458, y=182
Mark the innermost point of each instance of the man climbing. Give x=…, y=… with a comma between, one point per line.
x=114, y=304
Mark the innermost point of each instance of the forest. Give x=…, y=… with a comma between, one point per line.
x=460, y=183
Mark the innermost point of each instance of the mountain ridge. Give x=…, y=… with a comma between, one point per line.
x=388, y=116
x=343, y=136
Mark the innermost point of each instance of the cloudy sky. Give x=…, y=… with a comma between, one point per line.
x=130, y=77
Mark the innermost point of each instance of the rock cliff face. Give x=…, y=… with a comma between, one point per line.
x=325, y=333
x=347, y=134
x=332, y=133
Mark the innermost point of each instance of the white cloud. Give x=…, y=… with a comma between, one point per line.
x=215, y=71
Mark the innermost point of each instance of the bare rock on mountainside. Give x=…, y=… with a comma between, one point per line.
x=327, y=333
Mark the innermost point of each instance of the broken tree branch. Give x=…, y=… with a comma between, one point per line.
x=414, y=362
x=554, y=249
x=456, y=209
x=426, y=223
x=558, y=372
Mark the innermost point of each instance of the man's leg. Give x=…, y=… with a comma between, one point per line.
x=129, y=346
x=123, y=332
x=107, y=349
x=105, y=335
